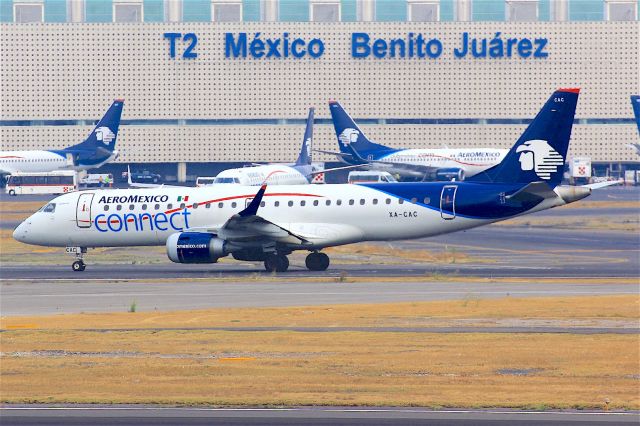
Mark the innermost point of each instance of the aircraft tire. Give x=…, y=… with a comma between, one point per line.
x=78, y=266
x=317, y=261
x=12, y=192
x=276, y=263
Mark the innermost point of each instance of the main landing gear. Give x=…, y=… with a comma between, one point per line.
x=276, y=262
x=317, y=261
x=78, y=265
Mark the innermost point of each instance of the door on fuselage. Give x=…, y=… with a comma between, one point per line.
x=448, y=202
x=83, y=211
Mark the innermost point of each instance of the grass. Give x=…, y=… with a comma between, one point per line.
x=585, y=310
x=64, y=361
x=339, y=368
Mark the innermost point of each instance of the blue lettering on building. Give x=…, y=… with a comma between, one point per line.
x=189, y=40
x=363, y=45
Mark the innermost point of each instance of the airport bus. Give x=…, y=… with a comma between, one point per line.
x=58, y=182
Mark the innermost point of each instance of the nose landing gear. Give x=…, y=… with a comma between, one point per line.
x=317, y=261
x=78, y=265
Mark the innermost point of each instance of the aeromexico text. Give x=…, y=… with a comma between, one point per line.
x=414, y=45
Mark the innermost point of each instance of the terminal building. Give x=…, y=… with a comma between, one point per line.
x=210, y=84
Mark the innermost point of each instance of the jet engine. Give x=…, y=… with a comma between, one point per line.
x=450, y=174
x=195, y=247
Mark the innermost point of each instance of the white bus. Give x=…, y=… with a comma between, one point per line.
x=42, y=183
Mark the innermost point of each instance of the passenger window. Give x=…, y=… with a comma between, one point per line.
x=276, y=204
x=375, y=201
x=262, y=204
x=315, y=202
x=290, y=203
x=388, y=201
x=338, y=202
x=220, y=205
x=131, y=206
x=362, y=201
x=427, y=200
x=234, y=205
x=195, y=205
x=49, y=208
x=208, y=205
x=414, y=200
x=156, y=207
x=400, y=201
x=328, y=202
x=169, y=206
x=350, y=202
x=106, y=207
x=182, y=205
x=302, y=203
x=144, y=207
x=119, y=207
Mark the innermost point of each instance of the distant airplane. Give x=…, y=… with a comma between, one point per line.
x=96, y=150
x=425, y=163
x=301, y=172
x=635, y=104
x=201, y=225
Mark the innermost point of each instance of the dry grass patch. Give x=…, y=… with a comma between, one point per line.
x=286, y=368
x=629, y=223
x=386, y=253
x=587, y=310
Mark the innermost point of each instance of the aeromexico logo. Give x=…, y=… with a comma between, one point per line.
x=539, y=156
x=348, y=136
x=105, y=135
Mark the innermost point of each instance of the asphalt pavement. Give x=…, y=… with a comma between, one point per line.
x=129, y=415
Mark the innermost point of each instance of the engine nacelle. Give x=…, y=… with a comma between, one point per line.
x=450, y=174
x=195, y=247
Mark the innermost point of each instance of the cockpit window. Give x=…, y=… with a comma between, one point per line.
x=49, y=208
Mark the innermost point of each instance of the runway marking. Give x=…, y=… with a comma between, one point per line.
x=334, y=410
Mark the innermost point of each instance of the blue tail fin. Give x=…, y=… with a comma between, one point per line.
x=540, y=153
x=102, y=139
x=635, y=103
x=351, y=140
x=304, y=159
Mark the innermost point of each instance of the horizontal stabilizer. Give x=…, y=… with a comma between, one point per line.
x=532, y=192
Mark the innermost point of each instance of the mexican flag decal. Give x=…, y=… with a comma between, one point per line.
x=181, y=198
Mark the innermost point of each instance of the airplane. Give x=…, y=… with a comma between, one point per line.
x=425, y=163
x=201, y=225
x=95, y=151
x=635, y=104
x=301, y=172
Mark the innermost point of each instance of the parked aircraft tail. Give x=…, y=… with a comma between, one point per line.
x=353, y=143
x=541, y=151
x=635, y=103
x=304, y=159
x=101, y=142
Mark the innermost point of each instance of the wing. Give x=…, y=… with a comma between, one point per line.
x=247, y=226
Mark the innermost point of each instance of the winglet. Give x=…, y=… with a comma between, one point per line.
x=252, y=208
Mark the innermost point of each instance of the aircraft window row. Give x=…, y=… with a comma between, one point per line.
x=41, y=180
x=28, y=160
x=290, y=203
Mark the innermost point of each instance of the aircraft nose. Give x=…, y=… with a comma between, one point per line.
x=20, y=233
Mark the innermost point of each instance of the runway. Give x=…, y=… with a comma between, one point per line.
x=114, y=415
x=51, y=297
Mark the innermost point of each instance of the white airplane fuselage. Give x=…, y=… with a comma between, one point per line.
x=272, y=174
x=40, y=162
x=471, y=161
x=326, y=215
